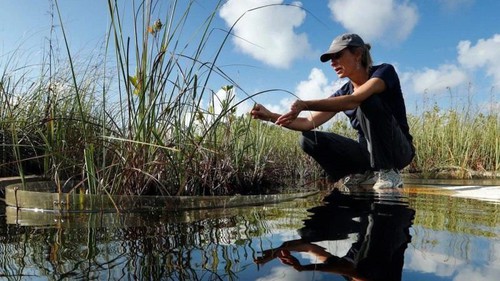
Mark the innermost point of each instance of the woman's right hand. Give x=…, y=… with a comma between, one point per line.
x=286, y=258
x=261, y=112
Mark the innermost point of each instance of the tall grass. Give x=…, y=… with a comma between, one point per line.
x=144, y=117
x=459, y=142
x=462, y=142
x=154, y=134
x=168, y=142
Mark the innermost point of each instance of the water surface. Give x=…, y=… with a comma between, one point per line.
x=419, y=233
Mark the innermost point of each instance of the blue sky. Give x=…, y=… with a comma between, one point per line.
x=445, y=51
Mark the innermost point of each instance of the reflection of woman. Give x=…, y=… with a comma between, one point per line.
x=383, y=235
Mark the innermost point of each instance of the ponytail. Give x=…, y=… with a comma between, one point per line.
x=366, y=58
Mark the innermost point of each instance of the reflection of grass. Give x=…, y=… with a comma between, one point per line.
x=456, y=215
x=453, y=224
x=198, y=245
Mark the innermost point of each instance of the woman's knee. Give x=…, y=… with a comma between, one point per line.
x=307, y=141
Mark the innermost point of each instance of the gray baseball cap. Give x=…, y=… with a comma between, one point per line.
x=341, y=42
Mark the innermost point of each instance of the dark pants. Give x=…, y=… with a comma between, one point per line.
x=382, y=146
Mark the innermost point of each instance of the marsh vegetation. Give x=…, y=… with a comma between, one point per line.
x=134, y=119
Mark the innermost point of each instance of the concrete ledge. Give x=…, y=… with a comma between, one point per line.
x=12, y=180
x=40, y=197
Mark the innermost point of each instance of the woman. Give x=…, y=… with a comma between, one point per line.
x=373, y=101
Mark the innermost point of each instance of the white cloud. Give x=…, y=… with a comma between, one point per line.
x=229, y=99
x=472, y=61
x=432, y=262
x=283, y=273
x=267, y=34
x=222, y=100
x=441, y=260
x=470, y=273
x=436, y=80
x=316, y=86
x=244, y=107
x=389, y=20
x=485, y=54
x=490, y=106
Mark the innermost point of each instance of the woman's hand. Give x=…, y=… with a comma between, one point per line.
x=267, y=256
x=286, y=258
x=282, y=254
x=297, y=107
x=261, y=112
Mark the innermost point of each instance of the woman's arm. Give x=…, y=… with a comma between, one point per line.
x=339, y=265
x=314, y=120
x=334, y=104
x=310, y=122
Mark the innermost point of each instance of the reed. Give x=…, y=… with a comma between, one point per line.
x=167, y=141
x=461, y=141
x=134, y=120
x=153, y=135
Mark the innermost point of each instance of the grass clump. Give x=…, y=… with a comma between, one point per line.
x=456, y=143
x=167, y=141
x=141, y=125
x=143, y=118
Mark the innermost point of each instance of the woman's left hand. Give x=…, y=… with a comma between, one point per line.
x=287, y=118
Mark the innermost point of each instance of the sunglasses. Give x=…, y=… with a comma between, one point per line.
x=337, y=55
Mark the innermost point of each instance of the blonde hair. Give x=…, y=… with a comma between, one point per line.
x=366, y=58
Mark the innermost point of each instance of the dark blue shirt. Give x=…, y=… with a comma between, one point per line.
x=392, y=97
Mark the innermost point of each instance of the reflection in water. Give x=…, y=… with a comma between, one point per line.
x=172, y=251
x=359, y=234
x=197, y=245
x=381, y=222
